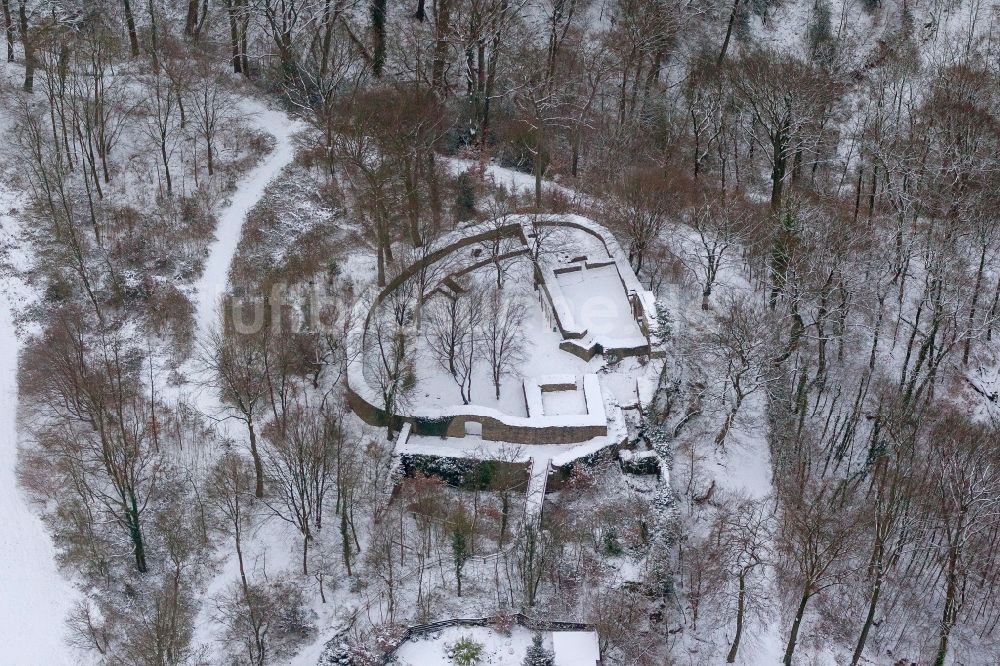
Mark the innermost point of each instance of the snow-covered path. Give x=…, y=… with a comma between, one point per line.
x=535, y=495
x=209, y=289
x=215, y=278
x=34, y=597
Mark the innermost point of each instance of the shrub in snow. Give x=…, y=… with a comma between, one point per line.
x=458, y=472
x=664, y=325
x=611, y=543
x=465, y=196
x=663, y=538
x=537, y=654
x=370, y=651
x=465, y=652
x=338, y=654
x=263, y=619
x=387, y=637
x=431, y=427
x=453, y=471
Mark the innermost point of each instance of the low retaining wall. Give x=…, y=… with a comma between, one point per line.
x=493, y=429
x=491, y=621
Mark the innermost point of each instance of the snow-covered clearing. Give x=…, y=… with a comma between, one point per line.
x=559, y=403
x=512, y=180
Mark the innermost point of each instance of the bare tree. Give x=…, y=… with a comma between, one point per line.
x=235, y=362
x=502, y=334
x=473, y=315
x=718, y=226
x=388, y=366
x=230, y=487
x=212, y=106
x=444, y=327
x=745, y=529
x=299, y=461
x=965, y=498
x=160, y=107
x=740, y=344
x=814, y=541
x=264, y=623
x=640, y=203
x=101, y=434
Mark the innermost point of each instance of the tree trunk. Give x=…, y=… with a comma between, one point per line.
x=201, y=20
x=441, y=28
x=729, y=33
x=244, y=51
x=239, y=558
x=870, y=617
x=258, y=465
x=234, y=38
x=950, y=612
x=166, y=167
x=328, y=20
x=740, y=609
x=538, y=169
x=412, y=202
x=135, y=533
x=345, y=543
x=794, y=635
x=972, y=308
x=434, y=192
x=378, y=12
x=191, y=20
x=778, y=145
x=8, y=23
x=29, y=49
x=133, y=39
x=305, y=554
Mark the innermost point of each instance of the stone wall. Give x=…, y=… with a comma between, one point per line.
x=494, y=430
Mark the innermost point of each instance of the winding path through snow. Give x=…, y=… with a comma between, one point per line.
x=215, y=278
x=34, y=597
x=209, y=290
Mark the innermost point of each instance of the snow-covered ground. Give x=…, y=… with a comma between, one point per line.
x=34, y=597
x=598, y=302
x=564, y=402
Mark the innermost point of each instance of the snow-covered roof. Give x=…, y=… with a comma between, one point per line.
x=576, y=648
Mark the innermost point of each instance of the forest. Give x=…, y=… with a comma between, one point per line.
x=218, y=216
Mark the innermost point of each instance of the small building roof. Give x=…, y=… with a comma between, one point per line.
x=576, y=648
